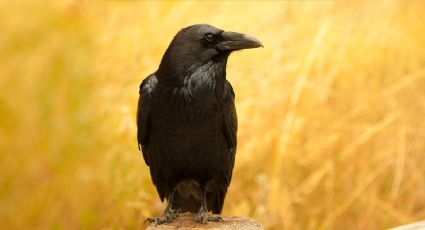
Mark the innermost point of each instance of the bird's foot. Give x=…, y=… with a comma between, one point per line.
x=168, y=216
x=203, y=217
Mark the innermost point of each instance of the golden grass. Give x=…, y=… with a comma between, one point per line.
x=331, y=111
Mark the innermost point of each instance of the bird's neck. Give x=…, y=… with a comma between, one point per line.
x=207, y=80
x=194, y=75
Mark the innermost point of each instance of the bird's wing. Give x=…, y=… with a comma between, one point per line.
x=144, y=113
x=230, y=127
x=230, y=118
x=230, y=123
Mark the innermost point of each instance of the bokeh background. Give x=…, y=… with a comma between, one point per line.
x=331, y=111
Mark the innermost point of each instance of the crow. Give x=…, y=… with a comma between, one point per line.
x=187, y=124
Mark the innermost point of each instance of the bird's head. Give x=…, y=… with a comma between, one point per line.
x=198, y=44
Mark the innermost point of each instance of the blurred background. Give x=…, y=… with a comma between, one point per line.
x=331, y=111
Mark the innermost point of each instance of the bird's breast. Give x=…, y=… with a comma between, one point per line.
x=195, y=98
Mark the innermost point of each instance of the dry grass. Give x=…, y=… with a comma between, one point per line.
x=331, y=111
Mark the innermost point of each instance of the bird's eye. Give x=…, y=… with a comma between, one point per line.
x=209, y=37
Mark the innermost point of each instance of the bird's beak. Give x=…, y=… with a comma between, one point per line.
x=237, y=41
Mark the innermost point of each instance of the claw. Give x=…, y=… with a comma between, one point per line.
x=168, y=216
x=215, y=218
x=203, y=217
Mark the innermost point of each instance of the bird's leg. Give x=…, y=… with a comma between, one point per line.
x=169, y=213
x=203, y=215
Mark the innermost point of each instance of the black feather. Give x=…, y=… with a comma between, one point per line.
x=187, y=121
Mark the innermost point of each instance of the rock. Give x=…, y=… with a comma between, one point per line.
x=186, y=221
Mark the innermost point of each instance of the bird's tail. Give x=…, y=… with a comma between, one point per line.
x=186, y=204
x=191, y=204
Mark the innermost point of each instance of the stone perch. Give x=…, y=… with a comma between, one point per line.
x=186, y=221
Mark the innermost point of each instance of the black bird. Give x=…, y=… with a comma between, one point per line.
x=187, y=122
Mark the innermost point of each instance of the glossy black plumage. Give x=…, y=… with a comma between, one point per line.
x=187, y=120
